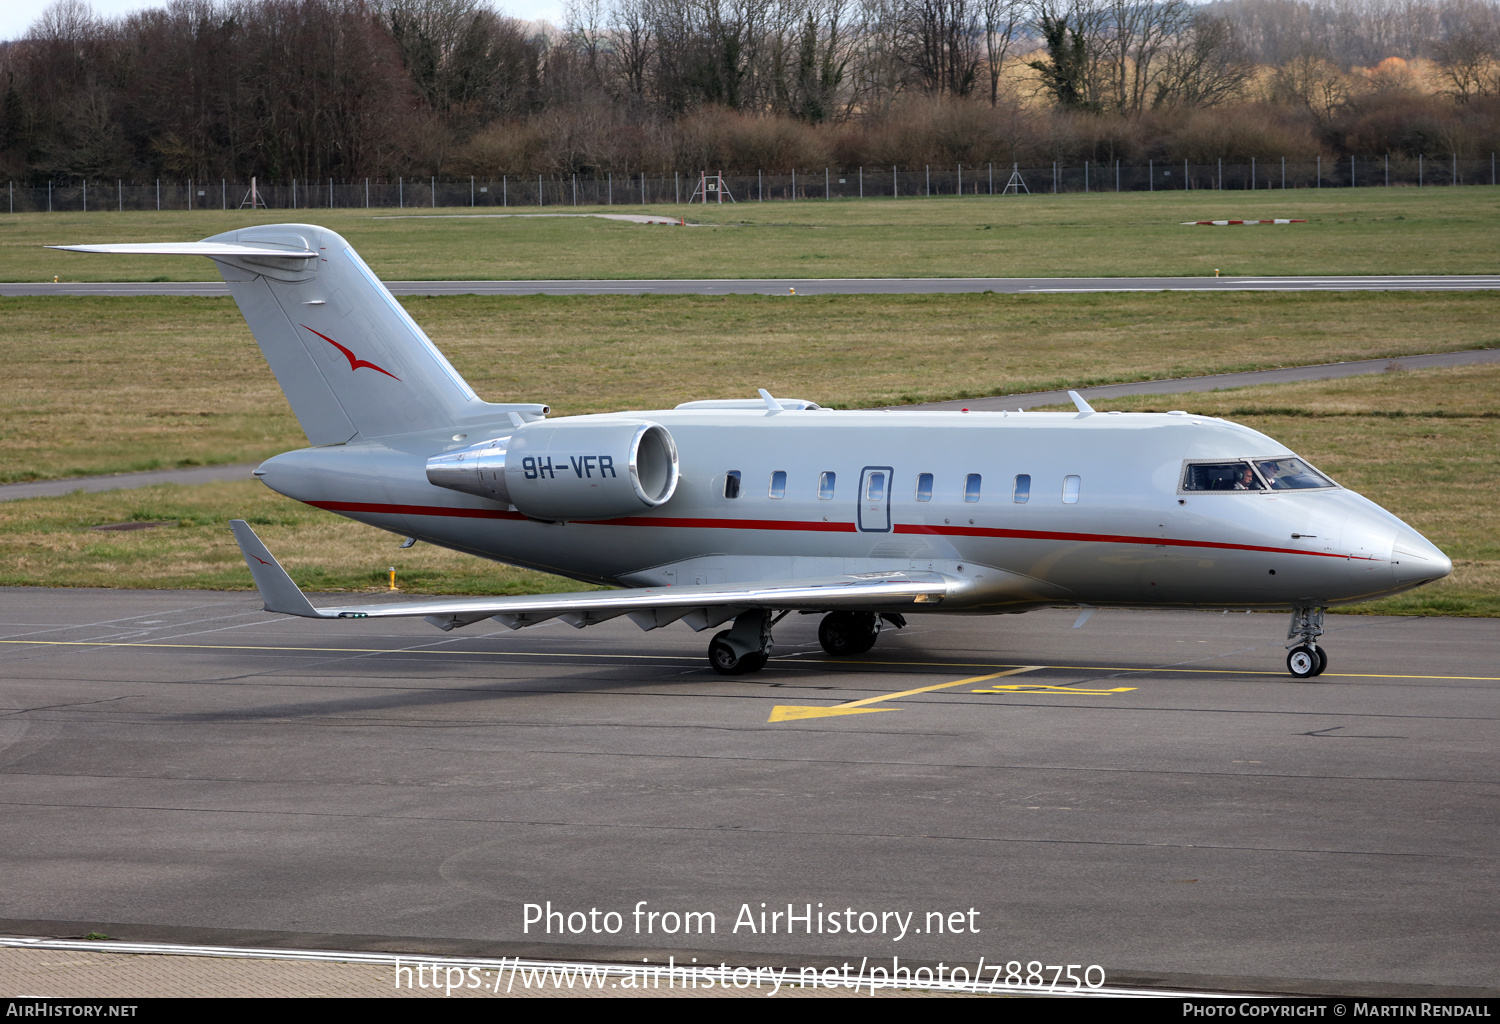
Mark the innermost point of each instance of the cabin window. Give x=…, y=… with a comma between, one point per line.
x=1071, y=485
x=924, y=487
x=1022, y=493
x=1291, y=475
x=1221, y=476
x=825, y=486
x=778, y=484
x=732, y=484
x=875, y=487
x=971, y=487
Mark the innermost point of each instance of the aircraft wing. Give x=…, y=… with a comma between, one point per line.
x=213, y=250
x=700, y=606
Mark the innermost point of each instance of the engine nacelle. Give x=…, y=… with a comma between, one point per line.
x=557, y=470
x=478, y=469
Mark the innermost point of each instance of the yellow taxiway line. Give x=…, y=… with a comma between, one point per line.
x=793, y=713
x=684, y=657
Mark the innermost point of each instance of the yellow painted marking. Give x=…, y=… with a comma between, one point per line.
x=787, y=712
x=940, y=686
x=1043, y=688
x=684, y=657
x=792, y=712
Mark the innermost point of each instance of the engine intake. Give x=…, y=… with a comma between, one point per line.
x=563, y=470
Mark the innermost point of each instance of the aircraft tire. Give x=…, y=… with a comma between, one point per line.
x=846, y=634
x=1322, y=661
x=1302, y=662
x=754, y=662
x=725, y=662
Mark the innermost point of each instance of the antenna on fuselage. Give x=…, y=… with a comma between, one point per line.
x=1083, y=407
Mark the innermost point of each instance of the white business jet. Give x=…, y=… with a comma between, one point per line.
x=743, y=511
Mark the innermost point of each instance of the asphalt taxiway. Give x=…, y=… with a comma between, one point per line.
x=1150, y=793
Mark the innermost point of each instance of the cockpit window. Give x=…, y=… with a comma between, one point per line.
x=1221, y=476
x=1291, y=475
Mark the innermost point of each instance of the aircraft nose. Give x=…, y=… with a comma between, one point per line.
x=1416, y=560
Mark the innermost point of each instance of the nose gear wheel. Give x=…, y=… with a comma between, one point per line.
x=1305, y=657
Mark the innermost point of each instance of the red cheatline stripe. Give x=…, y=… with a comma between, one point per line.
x=815, y=527
x=1111, y=538
x=415, y=510
x=728, y=524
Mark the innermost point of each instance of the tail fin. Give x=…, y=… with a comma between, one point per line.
x=351, y=361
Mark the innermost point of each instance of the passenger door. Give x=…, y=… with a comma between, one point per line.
x=874, y=515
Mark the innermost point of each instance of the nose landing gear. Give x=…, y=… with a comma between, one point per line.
x=1305, y=658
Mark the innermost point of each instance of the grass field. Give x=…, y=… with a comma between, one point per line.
x=1424, y=444
x=1350, y=231
x=112, y=385
x=49, y=542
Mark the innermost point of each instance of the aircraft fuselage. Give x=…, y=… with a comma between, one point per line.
x=1031, y=508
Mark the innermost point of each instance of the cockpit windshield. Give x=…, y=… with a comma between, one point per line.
x=1221, y=476
x=1291, y=475
x=1281, y=474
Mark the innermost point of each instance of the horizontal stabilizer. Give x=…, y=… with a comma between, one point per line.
x=209, y=249
x=276, y=588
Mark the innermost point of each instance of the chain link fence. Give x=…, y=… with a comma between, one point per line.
x=824, y=184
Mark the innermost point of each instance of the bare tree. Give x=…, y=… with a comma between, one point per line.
x=468, y=63
x=940, y=43
x=878, y=73
x=1312, y=82
x=1003, y=20
x=809, y=58
x=584, y=24
x=1206, y=68
x=1468, y=62
x=1136, y=32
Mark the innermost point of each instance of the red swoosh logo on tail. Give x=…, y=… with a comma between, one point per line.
x=354, y=361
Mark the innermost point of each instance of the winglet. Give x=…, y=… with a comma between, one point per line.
x=1083, y=407
x=276, y=588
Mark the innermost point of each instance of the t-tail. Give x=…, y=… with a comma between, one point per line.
x=352, y=362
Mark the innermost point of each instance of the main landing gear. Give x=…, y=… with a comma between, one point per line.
x=747, y=646
x=845, y=634
x=1304, y=658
